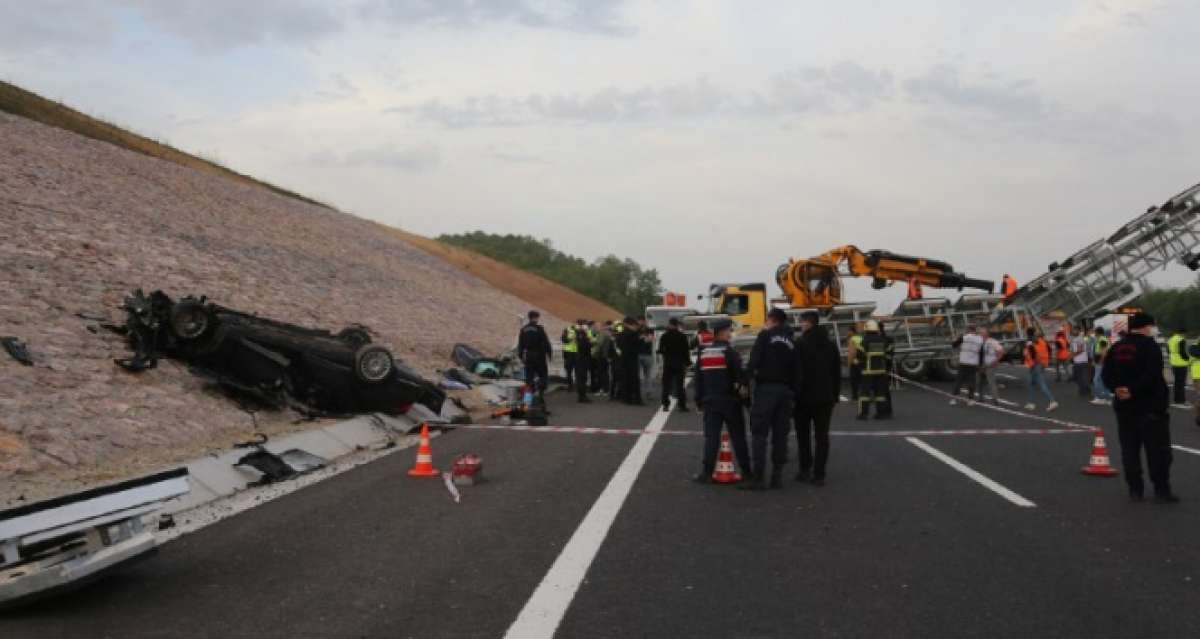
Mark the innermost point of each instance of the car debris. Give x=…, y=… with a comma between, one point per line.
x=474, y=361
x=54, y=545
x=276, y=467
x=280, y=364
x=17, y=349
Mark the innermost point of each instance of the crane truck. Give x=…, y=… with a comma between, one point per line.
x=1078, y=290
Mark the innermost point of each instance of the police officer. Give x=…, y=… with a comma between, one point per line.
x=774, y=367
x=719, y=370
x=570, y=351
x=533, y=347
x=583, y=360
x=676, y=356
x=1134, y=372
x=876, y=356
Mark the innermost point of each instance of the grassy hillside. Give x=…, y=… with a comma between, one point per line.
x=535, y=290
x=18, y=101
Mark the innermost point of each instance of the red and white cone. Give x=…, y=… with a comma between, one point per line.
x=424, y=466
x=1098, y=465
x=725, y=473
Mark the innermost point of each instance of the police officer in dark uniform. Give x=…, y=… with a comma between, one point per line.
x=719, y=370
x=775, y=369
x=1133, y=370
x=818, y=393
x=583, y=360
x=533, y=347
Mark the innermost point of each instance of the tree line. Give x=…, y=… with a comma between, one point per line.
x=1174, y=308
x=618, y=282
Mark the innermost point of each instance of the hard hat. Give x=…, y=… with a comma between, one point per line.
x=871, y=326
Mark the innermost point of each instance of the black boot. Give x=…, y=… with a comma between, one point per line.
x=777, y=478
x=754, y=482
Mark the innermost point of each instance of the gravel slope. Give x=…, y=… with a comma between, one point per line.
x=85, y=222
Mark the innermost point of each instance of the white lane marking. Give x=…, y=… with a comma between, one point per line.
x=1182, y=406
x=545, y=609
x=1007, y=376
x=1185, y=449
x=972, y=473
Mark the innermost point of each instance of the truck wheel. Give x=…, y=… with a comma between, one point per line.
x=373, y=363
x=354, y=336
x=190, y=320
x=914, y=369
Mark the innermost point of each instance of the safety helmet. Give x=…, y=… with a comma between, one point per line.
x=871, y=326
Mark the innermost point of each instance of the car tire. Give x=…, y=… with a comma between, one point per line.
x=354, y=336
x=373, y=363
x=190, y=320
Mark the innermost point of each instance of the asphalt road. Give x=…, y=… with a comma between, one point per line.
x=897, y=544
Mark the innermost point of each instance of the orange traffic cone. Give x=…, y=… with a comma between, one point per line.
x=1098, y=465
x=424, y=466
x=725, y=472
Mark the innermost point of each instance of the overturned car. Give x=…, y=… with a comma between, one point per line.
x=312, y=370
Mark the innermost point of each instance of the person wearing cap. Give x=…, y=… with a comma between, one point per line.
x=819, y=389
x=676, y=356
x=534, y=350
x=774, y=367
x=1134, y=372
x=718, y=373
x=876, y=354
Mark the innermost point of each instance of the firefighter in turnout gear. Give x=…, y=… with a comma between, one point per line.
x=719, y=369
x=876, y=358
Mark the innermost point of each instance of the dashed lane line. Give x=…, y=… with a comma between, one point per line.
x=545, y=609
x=1185, y=449
x=978, y=477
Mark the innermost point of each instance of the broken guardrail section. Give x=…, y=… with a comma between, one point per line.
x=58, y=544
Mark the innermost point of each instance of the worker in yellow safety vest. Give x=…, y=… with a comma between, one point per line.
x=1178, y=355
x=570, y=350
x=1194, y=351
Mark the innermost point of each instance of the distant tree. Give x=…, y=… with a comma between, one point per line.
x=1174, y=308
x=621, y=283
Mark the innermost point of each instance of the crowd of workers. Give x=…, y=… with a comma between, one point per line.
x=792, y=380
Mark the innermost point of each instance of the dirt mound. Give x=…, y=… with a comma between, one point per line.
x=86, y=222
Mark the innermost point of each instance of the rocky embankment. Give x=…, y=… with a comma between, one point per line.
x=84, y=223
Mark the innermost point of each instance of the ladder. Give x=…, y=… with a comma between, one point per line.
x=1112, y=271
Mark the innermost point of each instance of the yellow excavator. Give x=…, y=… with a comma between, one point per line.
x=816, y=282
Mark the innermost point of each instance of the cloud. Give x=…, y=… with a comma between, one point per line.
x=1098, y=19
x=842, y=88
x=587, y=16
x=943, y=85
x=227, y=23
x=53, y=24
x=412, y=159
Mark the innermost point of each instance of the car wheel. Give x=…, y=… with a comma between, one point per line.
x=190, y=320
x=373, y=363
x=354, y=336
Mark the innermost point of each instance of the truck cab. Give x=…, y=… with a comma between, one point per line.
x=745, y=304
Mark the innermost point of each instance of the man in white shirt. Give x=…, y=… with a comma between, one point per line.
x=969, y=346
x=1081, y=356
x=989, y=362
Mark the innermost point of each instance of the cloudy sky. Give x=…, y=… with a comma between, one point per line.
x=711, y=140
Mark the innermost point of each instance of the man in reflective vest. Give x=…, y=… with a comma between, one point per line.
x=570, y=350
x=1194, y=351
x=1008, y=286
x=1178, y=355
x=1100, y=394
x=876, y=353
x=1037, y=358
x=914, y=288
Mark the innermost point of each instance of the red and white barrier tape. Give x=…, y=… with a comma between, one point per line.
x=1000, y=409
x=929, y=432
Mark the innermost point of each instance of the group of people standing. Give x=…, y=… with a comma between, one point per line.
x=789, y=380
x=598, y=359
